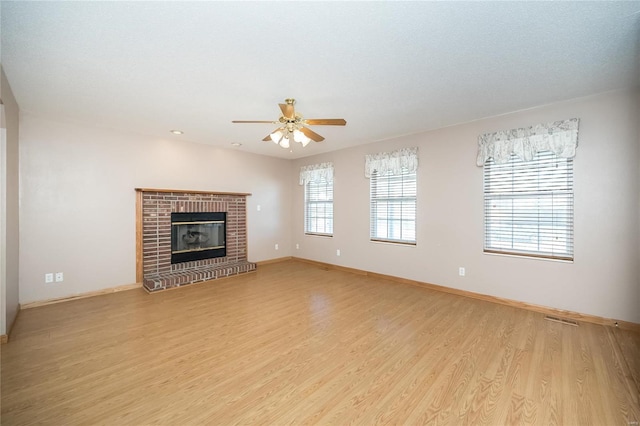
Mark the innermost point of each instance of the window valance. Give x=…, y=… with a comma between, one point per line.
x=559, y=137
x=394, y=161
x=316, y=172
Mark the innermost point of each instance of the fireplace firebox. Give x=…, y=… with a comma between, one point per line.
x=198, y=236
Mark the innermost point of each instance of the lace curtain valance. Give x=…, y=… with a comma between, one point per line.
x=559, y=137
x=316, y=172
x=394, y=161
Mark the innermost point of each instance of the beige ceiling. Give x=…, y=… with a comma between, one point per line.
x=388, y=68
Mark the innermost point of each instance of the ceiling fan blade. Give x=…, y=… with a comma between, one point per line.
x=325, y=121
x=244, y=121
x=287, y=110
x=311, y=134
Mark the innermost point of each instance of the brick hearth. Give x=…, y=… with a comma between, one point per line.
x=154, y=237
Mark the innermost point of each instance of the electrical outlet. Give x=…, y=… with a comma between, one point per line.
x=59, y=277
x=48, y=278
x=259, y=207
x=338, y=252
x=276, y=247
x=297, y=246
x=461, y=271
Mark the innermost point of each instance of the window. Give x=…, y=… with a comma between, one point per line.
x=393, y=192
x=317, y=180
x=318, y=200
x=528, y=206
x=393, y=206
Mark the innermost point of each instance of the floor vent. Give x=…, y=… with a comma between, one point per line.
x=561, y=320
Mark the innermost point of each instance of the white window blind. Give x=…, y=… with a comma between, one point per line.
x=318, y=207
x=528, y=206
x=393, y=206
x=317, y=180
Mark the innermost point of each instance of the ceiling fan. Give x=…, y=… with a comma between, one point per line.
x=292, y=126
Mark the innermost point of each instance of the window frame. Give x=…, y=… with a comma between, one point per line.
x=407, y=179
x=308, y=203
x=552, y=191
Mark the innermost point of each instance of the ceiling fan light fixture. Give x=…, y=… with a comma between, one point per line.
x=284, y=142
x=300, y=137
x=276, y=136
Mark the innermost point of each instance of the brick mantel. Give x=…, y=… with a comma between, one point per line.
x=153, y=237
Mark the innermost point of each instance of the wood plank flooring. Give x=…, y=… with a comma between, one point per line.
x=296, y=344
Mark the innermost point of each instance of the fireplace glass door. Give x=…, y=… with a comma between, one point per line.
x=196, y=236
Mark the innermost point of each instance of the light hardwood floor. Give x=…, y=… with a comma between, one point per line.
x=296, y=344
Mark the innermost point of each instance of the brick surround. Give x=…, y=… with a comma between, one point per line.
x=154, y=237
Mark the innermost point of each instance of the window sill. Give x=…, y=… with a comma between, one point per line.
x=313, y=234
x=530, y=257
x=400, y=243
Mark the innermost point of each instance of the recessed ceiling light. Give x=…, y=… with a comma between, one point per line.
x=176, y=132
x=236, y=144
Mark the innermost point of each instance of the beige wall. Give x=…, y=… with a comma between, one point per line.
x=9, y=235
x=77, y=192
x=603, y=280
x=78, y=200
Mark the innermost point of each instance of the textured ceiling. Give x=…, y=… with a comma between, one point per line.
x=388, y=68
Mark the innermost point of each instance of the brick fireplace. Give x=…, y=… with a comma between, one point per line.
x=154, y=208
